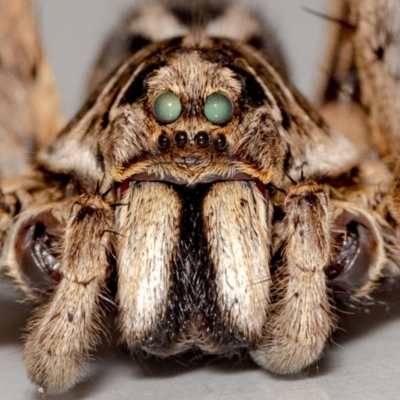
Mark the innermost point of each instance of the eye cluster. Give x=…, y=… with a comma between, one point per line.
x=202, y=140
x=218, y=108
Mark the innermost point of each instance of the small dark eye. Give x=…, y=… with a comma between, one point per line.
x=167, y=107
x=181, y=139
x=218, y=108
x=220, y=143
x=202, y=140
x=163, y=141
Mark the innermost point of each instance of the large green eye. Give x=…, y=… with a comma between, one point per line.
x=167, y=107
x=218, y=108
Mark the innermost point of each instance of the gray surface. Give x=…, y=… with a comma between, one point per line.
x=362, y=362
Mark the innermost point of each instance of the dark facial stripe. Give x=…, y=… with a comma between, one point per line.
x=275, y=87
x=105, y=120
x=252, y=94
x=285, y=119
x=138, y=87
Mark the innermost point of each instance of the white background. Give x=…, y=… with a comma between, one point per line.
x=361, y=362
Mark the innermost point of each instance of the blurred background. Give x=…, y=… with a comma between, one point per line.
x=73, y=31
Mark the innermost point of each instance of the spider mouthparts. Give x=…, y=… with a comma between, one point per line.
x=262, y=188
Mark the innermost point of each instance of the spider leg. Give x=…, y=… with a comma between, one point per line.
x=377, y=61
x=30, y=112
x=65, y=330
x=301, y=319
